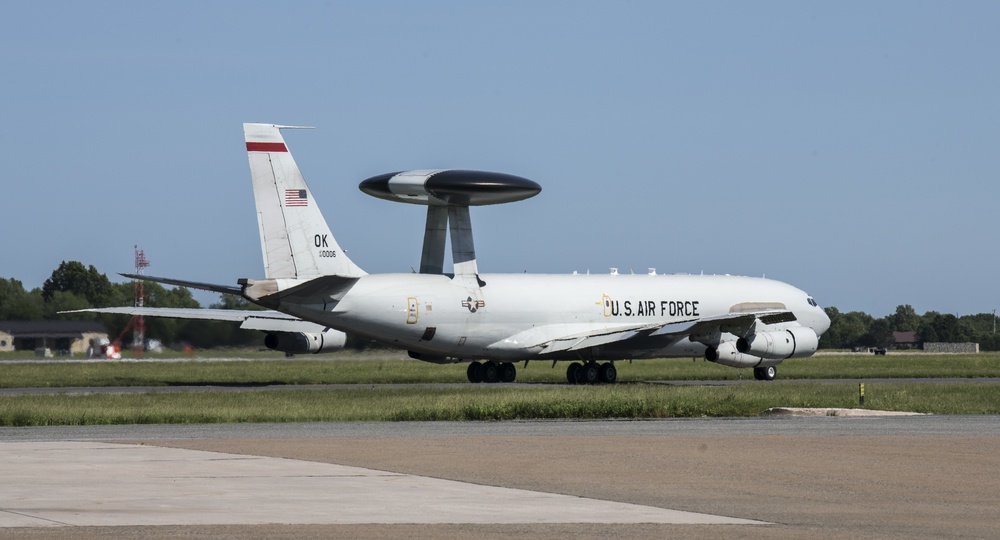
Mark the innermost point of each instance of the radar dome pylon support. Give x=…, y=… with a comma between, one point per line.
x=448, y=194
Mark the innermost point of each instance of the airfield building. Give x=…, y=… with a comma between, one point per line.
x=62, y=336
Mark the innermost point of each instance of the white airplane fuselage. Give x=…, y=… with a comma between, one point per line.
x=509, y=317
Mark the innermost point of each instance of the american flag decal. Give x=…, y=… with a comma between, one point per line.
x=296, y=197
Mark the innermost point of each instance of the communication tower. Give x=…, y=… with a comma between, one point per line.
x=139, y=333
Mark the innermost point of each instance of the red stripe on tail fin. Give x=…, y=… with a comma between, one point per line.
x=266, y=147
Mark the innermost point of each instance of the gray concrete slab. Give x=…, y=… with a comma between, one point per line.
x=827, y=426
x=64, y=483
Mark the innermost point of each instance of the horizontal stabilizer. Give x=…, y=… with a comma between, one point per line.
x=330, y=288
x=224, y=289
x=188, y=313
x=265, y=321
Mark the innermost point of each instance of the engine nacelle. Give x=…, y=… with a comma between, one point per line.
x=794, y=342
x=727, y=355
x=306, y=342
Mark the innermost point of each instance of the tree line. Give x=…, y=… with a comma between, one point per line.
x=75, y=286
x=857, y=329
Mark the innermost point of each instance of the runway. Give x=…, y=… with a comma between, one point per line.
x=180, y=388
x=828, y=477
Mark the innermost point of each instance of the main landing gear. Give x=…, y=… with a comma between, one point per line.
x=491, y=372
x=765, y=373
x=591, y=373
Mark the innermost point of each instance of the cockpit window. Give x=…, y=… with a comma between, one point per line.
x=812, y=302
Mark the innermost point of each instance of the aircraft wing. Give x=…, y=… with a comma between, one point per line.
x=740, y=324
x=267, y=321
x=583, y=340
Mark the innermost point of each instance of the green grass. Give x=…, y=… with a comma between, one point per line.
x=485, y=403
x=915, y=365
x=477, y=402
x=390, y=368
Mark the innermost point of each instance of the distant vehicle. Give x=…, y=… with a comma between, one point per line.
x=315, y=292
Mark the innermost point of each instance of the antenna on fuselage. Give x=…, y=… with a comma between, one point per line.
x=448, y=194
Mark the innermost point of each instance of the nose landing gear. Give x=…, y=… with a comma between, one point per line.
x=765, y=373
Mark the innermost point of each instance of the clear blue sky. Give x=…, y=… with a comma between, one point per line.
x=849, y=148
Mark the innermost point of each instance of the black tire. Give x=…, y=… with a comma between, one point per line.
x=765, y=373
x=475, y=372
x=608, y=373
x=491, y=373
x=571, y=372
x=588, y=374
x=508, y=372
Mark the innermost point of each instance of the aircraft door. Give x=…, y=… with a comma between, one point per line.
x=412, y=310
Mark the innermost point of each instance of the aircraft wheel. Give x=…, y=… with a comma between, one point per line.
x=491, y=373
x=608, y=373
x=588, y=374
x=475, y=372
x=765, y=373
x=571, y=372
x=508, y=372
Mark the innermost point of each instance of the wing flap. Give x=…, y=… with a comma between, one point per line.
x=594, y=338
x=594, y=341
x=282, y=325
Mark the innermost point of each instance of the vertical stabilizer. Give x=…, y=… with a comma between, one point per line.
x=295, y=240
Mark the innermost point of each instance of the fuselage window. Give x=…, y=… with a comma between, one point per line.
x=812, y=302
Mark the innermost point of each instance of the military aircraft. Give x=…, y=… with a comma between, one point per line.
x=315, y=294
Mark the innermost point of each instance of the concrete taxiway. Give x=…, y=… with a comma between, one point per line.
x=91, y=484
x=829, y=477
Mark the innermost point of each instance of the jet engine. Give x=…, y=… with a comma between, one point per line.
x=727, y=355
x=306, y=342
x=794, y=342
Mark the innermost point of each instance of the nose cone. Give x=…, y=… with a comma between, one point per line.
x=822, y=322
